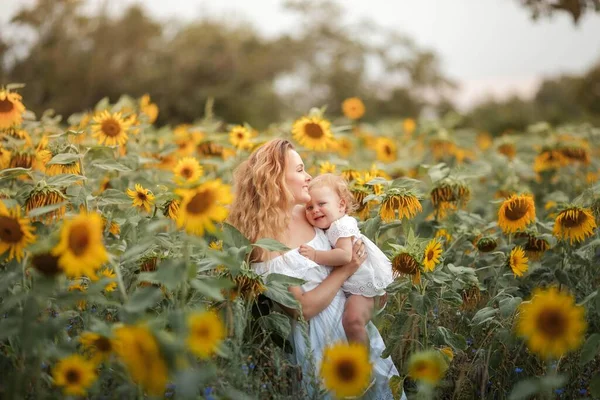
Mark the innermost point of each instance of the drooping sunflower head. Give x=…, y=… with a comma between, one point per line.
x=97, y=347
x=405, y=264
x=470, y=297
x=455, y=192
x=110, y=129
x=171, y=208
x=141, y=197
x=346, y=369
x=22, y=159
x=432, y=255
x=485, y=244
x=403, y=200
x=11, y=109
x=574, y=224
x=517, y=261
x=353, y=108
x=575, y=153
x=208, y=148
x=551, y=323
x=248, y=285
x=205, y=333
x=314, y=133
x=427, y=366
x=387, y=150
x=360, y=192
x=187, y=171
x=516, y=213
x=44, y=195
x=74, y=374
x=203, y=207
x=239, y=136
x=535, y=247
x=549, y=160
x=16, y=233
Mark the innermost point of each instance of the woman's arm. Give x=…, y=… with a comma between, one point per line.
x=316, y=300
x=341, y=255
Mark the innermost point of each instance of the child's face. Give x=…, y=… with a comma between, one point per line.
x=324, y=207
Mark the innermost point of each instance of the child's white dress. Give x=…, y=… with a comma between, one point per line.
x=375, y=273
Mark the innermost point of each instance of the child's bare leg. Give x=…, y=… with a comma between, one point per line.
x=357, y=313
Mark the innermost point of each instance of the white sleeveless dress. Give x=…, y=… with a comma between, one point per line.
x=375, y=273
x=326, y=327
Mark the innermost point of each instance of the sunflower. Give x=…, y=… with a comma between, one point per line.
x=187, y=171
x=46, y=264
x=43, y=196
x=408, y=126
x=239, y=137
x=486, y=244
x=432, y=255
x=450, y=192
x=314, y=133
x=11, y=109
x=171, y=208
x=576, y=154
x=443, y=234
x=137, y=347
x=386, y=149
x=574, y=223
x=367, y=177
x=80, y=250
x=148, y=108
x=484, y=140
x=516, y=213
x=405, y=202
x=216, y=245
x=75, y=374
x=326, y=168
x=142, y=198
x=344, y=146
x=206, y=332
x=441, y=148
x=113, y=227
x=248, y=285
x=359, y=192
x=350, y=174
x=427, y=366
x=404, y=263
x=535, y=247
x=551, y=323
x=517, y=261
x=110, y=274
x=447, y=352
x=508, y=149
x=210, y=149
x=98, y=347
x=204, y=206
x=353, y=108
x=5, y=157
x=16, y=233
x=22, y=159
x=57, y=169
x=346, y=369
x=549, y=160
x=110, y=129
x=470, y=297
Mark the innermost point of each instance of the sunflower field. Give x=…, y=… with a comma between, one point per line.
x=121, y=279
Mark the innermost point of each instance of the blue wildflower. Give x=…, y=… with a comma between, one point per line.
x=559, y=391
x=518, y=370
x=583, y=391
x=245, y=369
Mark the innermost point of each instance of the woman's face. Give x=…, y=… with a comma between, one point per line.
x=296, y=178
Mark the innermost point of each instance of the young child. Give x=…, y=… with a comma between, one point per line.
x=328, y=209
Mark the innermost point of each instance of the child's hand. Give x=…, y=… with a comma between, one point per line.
x=308, y=252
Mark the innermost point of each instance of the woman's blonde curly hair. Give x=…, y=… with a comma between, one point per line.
x=259, y=191
x=339, y=185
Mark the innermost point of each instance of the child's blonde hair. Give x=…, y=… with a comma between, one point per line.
x=337, y=184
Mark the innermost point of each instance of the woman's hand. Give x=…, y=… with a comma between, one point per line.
x=359, y=255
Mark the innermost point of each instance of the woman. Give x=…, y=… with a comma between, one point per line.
x=271, y=188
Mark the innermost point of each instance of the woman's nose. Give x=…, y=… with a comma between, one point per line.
x=308, y=177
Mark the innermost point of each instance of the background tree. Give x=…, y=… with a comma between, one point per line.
x=576, y=8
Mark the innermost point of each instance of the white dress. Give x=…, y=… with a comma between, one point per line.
x=326, y=328
x=373, y=275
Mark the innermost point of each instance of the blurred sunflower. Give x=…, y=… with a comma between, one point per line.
x=203, y=206
x=432, y=255
x=551, y=323
x=535, y=247
x=574, y=223
x=314, y=133
x=11, y=109
x=149, y=108
x=516, y=213
x=110, y=274
x=517, y=261
x=484, y=140
x=447, y=352
x=386, y=149
x=57, y=169
x=5, y=157
x=405, y=202
x=80, y=249
x=205, y=334
x=470, y=297
x=362, y=207
x=248, y=285
x=326, y=168
x=46, y=264
x=110, y=129
x=508, y=149
x=353, y=108
x=22, y=159
x=576, y=153
x=97, y=347
x=427, y=366
x=74, y=374
x=239, y=137
x=16, y=233
x=210, y=149
x=142, y=198
x=171, y=208
x=346, y=369
x=187, y=171
x=443, y=234
x=350, y=174
x=43, y=196
x=408, y=126
x=549, y=160
x=405, y=264
x=138, y=349
x=344, y=146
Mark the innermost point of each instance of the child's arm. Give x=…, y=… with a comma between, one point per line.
x=341, y=255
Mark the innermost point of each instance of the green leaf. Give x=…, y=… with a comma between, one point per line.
x=590, y=349
x=65, y=158
x=280, y=294
x=524, y=389
x=484, y=315
x=452, y=298
x=271, y=245
x=143, y=298
x=283, y=279
x=595, y=385
x=170, y=273
x=234, y=237
x=438, y=172
x=276, y=322
x=211, y=287
x=36, y=212
x=508, y=306
x=11, y=173
x=113, y=197
x=588, y=298
x=370, y=228
x=453, y=340
x=133, y=252
x=64, y=180
x=562, y=277
x=110, y=165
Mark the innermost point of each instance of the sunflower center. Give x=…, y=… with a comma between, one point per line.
x=79, y=239
x=346, y=370
x=103, y=344
x=111, y=128
x=187, y=172
x=552, y=323
x=313, y=130
x=430, y=255
x=516, y=210
x=6, y=106
x=10, y=230
x=575, y=219
x=202, y=332
x=142, y=196
x=404, y=263
x=200, y=203
x=46, y=264
x=387, y=150
x=240, y=135
x=73, y=376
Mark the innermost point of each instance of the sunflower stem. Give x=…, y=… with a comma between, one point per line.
x=120, y=282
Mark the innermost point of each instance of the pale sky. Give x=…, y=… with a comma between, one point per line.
x=487, y=46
